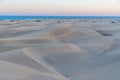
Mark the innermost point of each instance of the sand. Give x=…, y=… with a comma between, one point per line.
x=60, y=49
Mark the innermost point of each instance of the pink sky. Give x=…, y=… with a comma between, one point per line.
x=60, y=7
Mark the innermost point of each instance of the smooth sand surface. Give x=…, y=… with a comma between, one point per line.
x=60, y=49
x=11, y=71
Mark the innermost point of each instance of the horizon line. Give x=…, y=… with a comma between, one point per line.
x=66, y=15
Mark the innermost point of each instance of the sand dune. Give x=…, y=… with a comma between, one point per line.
x=60, y=49
x=10, y=71
x=65, y=55
x=57, y=50
x=86, y=38
x=6, y=33
x=67, y=33
x=19, y=57
x=26, y=41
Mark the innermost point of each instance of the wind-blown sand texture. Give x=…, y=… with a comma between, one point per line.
x=61, y=49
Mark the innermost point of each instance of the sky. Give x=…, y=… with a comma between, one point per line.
x=60, y=7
